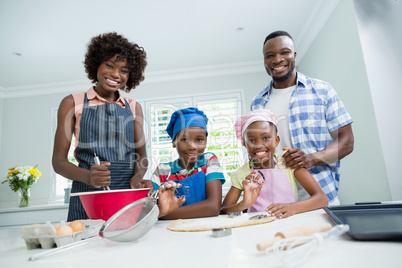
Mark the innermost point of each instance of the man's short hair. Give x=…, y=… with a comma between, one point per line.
x=276, y=34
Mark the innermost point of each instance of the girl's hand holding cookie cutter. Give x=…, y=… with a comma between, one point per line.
x=257, y=177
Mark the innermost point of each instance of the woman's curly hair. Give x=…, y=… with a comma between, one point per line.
x=104, y=46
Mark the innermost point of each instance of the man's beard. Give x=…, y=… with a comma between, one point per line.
x=286, y=77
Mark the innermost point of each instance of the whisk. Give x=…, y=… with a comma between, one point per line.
x=294, y=251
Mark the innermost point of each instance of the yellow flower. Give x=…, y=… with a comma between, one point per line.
x=11, y=170
x=35, y=173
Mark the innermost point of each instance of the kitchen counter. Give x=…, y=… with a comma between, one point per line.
x=164, y=248
x=33, y=214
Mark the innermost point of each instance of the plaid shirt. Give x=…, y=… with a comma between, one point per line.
x=315, y=110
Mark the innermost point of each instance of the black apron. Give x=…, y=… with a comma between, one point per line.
x=108, y=131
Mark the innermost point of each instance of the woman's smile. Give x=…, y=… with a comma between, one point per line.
x=112, y=82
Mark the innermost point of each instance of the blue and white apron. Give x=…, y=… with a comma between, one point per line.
x=196, y=191
x=108, y=131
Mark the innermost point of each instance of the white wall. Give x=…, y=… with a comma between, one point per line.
x=26, y=140
x=379, y=23
x=1, y=123
x=336, y=57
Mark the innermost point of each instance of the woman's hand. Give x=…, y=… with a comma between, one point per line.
x=99, y=175
x=138, y=182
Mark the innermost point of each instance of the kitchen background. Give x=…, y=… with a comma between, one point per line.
x=354, y=45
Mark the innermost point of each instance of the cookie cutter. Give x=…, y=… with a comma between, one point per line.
x=262, y=175
x=221, y=232
x=182, y=185
x=258, y=217
x=187, y=188
x=234, y=214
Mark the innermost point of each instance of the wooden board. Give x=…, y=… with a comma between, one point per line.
x=207, y=224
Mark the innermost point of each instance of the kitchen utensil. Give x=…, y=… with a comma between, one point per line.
x=128, y=224
x=221, y=232
x=234, y=214
x=294, y=251
x=370, y=221
x=133, y=221
x=97, y=162
x=293, y=232
x=259, y=217
x=104, y=204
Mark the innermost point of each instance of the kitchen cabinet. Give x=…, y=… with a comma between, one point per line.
x=33, y=214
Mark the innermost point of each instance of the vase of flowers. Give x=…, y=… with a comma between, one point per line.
x=20, y=179
x=24, y=194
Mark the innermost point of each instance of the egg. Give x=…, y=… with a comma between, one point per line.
x=56, y=227
x=77, y=226
x=64, y=230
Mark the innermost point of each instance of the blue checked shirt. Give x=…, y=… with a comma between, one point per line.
x=315, y=110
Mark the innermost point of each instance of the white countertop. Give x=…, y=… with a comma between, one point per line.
x=164, y=248
x=34, y=208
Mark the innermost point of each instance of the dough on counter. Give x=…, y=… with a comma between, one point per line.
x=207, y=224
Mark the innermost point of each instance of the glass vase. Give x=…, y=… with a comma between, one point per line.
x=24, y=195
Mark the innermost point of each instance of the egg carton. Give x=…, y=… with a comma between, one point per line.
x=44, y=235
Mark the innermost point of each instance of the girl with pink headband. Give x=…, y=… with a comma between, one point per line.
x=267, y=183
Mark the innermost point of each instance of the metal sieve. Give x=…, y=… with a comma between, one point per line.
x=128, y=224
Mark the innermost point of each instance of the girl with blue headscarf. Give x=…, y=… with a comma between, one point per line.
x=200, y=173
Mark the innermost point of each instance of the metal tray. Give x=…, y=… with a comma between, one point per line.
x=369, y=221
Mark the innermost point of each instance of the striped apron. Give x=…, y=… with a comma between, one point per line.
x=108, y=131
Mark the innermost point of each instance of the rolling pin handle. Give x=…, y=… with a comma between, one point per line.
x=294, y=232
x=262, y=246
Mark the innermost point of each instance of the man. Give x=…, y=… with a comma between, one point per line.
x=313, y=123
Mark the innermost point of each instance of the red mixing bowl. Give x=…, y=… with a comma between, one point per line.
x=104, y=204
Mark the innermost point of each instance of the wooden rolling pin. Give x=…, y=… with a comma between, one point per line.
x=293, y=232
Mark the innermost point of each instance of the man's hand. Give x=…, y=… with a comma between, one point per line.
x=295, y=158
x=342, y=145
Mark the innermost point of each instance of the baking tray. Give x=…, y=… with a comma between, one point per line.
x=369, y=222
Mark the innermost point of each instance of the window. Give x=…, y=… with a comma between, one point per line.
x=157, y=115
x=222, y=111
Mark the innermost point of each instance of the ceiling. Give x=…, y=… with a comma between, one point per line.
x=44, y=41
